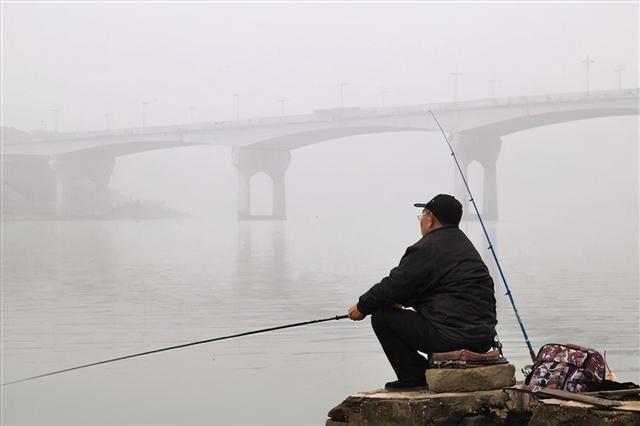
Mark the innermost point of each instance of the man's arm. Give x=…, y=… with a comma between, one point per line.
x=400, y=285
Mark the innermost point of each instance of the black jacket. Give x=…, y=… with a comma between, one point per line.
x=442, y=277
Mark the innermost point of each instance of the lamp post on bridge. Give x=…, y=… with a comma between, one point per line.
x=55, y=119
x=342, y=84
x=455, y=75
x=382, y=93
x=619, y=71
x=237, y=96
x=588, y=61
x=144, y=114
x=107, y=121
x=190, y=117
x=281, y=102
x=492, y=84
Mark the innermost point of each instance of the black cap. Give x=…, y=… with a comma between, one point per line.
x=445, y=208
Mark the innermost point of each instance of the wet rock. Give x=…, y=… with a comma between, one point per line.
x=470, y=379
x=521, y=402
x=564, y=414
x=383, y=408
x=511, y=407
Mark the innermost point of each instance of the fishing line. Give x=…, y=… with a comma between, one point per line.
x=184, y=345
x=486, y=234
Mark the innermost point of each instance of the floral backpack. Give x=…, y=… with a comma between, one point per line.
x=567, y=367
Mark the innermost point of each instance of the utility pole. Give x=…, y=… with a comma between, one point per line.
x=281, y=102
x=144, y=114
x=588, y=61
x=455, y=75
x=342, y=84
x=55, y=119
x=382, y=93
x=237, y=96
x=492, y=84
x=619, y=71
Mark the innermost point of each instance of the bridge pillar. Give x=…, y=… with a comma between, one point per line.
x=82, y=185
x=485, y=150
x=274, y=164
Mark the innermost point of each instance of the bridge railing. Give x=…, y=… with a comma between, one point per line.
x=347, y=113
x=544, y=98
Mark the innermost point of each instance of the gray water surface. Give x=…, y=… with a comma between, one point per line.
x=80, y=291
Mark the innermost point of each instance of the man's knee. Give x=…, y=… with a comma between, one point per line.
x=381, y=317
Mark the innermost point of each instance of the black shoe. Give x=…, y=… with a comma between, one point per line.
x=406, y=385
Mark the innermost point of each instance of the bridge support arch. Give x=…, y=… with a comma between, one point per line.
x=274, y=163
x=82, y=185
x=484, y=149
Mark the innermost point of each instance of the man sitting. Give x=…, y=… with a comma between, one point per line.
x=445, y=282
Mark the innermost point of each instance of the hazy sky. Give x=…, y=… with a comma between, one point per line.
x=89, y=60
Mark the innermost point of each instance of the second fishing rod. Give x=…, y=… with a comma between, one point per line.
x=486, y=234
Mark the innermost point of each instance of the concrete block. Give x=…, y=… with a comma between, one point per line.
x=470, y=379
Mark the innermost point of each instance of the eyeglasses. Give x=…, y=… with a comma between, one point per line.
x=424, y=213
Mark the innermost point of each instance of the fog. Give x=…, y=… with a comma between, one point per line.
x=92, y=59
x=567, y=192
x=97, y=64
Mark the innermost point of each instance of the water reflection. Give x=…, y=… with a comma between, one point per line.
x=262, y=257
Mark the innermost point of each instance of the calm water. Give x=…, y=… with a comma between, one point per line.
x=78, y=292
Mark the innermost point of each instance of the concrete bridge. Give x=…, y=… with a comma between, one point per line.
x=265, y=144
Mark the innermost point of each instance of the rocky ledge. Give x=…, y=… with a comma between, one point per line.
x=380, y=407
x=478, y=396
x=493, y=407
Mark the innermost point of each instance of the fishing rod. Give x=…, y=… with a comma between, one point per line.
x=486, y=234
x=184, y=345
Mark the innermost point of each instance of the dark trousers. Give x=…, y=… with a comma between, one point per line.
x=402, y=333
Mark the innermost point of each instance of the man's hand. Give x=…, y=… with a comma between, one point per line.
x=355, y=314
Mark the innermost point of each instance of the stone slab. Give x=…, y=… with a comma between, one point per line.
x=564, y=413
x=626, y=405
x=499, y=407
x=470, y=379
x=380, y=407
